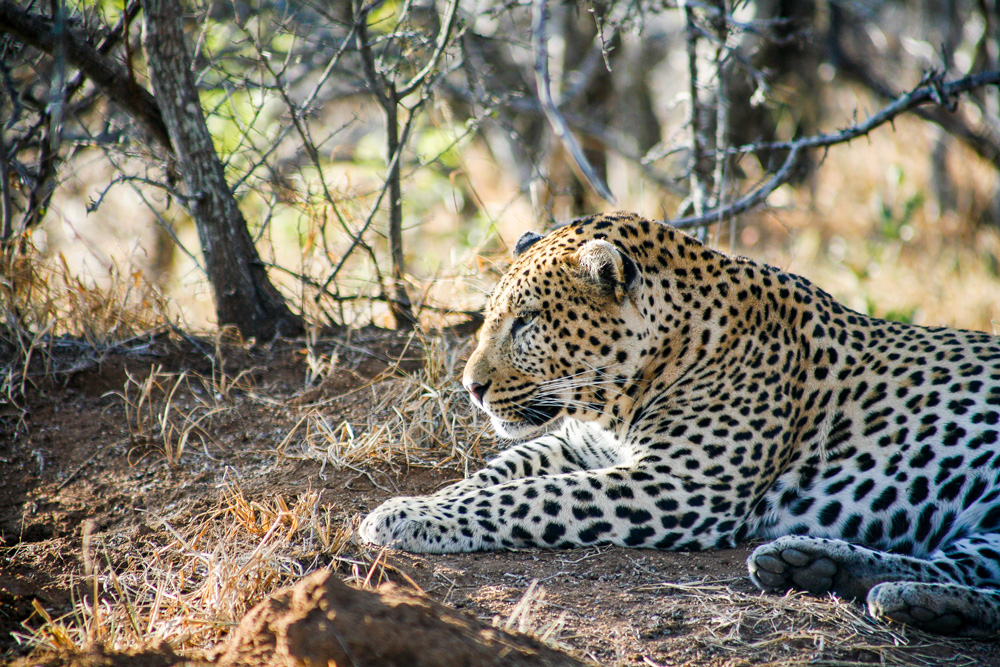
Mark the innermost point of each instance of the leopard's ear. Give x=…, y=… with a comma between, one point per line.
x=525, y=241
x=608, y=267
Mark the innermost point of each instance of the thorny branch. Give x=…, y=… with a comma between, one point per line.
x=583, y=126
x=386, y=94
x=985, y=143
x=932, y=90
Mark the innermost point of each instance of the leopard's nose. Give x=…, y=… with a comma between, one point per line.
x=477, y=390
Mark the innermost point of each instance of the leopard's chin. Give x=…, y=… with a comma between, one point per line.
x=529, y=421
x=523, y=430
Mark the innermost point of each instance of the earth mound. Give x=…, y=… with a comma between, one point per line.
x=322, y=621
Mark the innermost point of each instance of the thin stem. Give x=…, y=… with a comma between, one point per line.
x=539, y=41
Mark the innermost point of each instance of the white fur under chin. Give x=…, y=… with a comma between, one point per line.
x=520, y=431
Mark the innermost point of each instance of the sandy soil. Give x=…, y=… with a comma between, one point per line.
x=91, y=499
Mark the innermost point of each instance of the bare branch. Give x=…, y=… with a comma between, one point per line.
x=442, y=41
x=932, y=90
x=539, y=40
x=244, y=295
x=119, y=33
x=985, y=143
x=307, y=141
x=581, y=125
x=95, y=204
x=307, y=106
x=392, y=164
x=756, y=196
x=597, y=56
x=388, y=97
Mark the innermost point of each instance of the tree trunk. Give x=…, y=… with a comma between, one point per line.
x=399, y=301
x=244, y=296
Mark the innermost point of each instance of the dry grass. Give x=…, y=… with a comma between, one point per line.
x=529, y=616
x=409, y=415
x=190, y=578
x=44, y=298
x=53, y=319
x=192, y=587
x=167, y=411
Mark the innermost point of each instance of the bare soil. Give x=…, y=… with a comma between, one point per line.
x=91, y=493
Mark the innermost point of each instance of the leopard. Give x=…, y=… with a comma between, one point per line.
x=659, y=393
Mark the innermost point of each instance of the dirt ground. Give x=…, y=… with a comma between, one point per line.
x=140, y=473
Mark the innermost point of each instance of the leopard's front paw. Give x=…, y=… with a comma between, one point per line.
x=389, y=525
x=411, y=525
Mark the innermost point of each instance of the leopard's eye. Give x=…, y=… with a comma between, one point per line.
x=522, y=320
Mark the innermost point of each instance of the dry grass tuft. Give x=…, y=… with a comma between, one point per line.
x=193, y=580
x=530, y=617
x=412, y=417
x=53, y=320
x=166, y=411
x=42, y=296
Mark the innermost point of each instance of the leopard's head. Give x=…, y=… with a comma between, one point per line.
x=562, y=333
